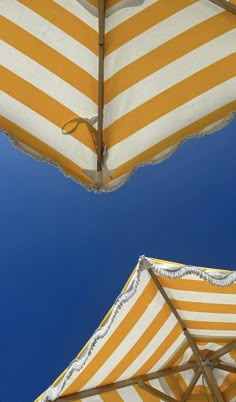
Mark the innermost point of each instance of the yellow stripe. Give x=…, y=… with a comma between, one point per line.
x=175, y=360
x=168, y=52
x=169, y=100
x=229, y=379
x=221, y=326
x=112, y=396
x=65, y=21
x=200, y=397
x=196, y=286
x=49, y=58
x=165, y=345
x=222, y=341
x=93, y=2
x=115, y=339
x=205, y=343
x=181, y=382
x=174, y=140
x=111, y=3
x=205, y=307
x=146, y=396
x=139, y=345
x=108, y=3
x=230, y=392
x=174, y=386
x=44, y=105
x=26, y=138
x=233, y=354
x=141, y=22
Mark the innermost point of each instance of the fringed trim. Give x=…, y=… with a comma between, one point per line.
x=76, y=365
x=41, y=158
x=107, y=188
x=163, y=269
x=214, y=277
x=212, y=129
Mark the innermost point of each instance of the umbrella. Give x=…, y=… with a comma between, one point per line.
x=170, y=336
x=98, y=88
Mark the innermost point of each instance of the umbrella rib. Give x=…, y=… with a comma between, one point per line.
x=225, y=367
x=206, y=369
x=204, y=365
x=167, y=300
x=101, y=35
x=156, y=392
x=222, y=351
x=226, y=5
x=191, y=386
x=126, y=383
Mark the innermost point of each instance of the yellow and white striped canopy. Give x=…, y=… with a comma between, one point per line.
x=169, y=73
x=170, y=336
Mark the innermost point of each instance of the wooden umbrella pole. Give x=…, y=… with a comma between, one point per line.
x=226, y=5
x=155, y=392
x=222, y=351
x=204, y=365
x=101, y=35
x=206, y=369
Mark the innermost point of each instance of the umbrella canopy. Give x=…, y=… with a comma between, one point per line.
x=170, y=336
x=98, y=88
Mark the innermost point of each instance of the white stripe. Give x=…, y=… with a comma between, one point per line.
x=29, y=150
x=170, y=75
x=94, y=398
x=162, y=155
x=129, y=340
x=116, y=323
x=207, y=317
x=47, y=132
x=77, y=9
x=191, y=296
x=124, y=10
x=173, y=349
x=151, y=348
x=187, y=376
x=228, y=359
x=117, y=182
x=129, y=394
x=220, y=375
x=170, y=123
x=122, y=179
x=212, y=333
x=51, y=35
x=162, y=385
x=46, y=81
x=157, y=35
x=210, y=346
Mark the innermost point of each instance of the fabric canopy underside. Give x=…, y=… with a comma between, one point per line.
x=141, y=335
x=169, y=73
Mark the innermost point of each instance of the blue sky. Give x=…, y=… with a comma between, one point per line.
x=66, y=253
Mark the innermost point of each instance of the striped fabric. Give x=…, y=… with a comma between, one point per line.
x=141, y=335
x=169, y=74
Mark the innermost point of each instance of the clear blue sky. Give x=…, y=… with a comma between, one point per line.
x=66, y=253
